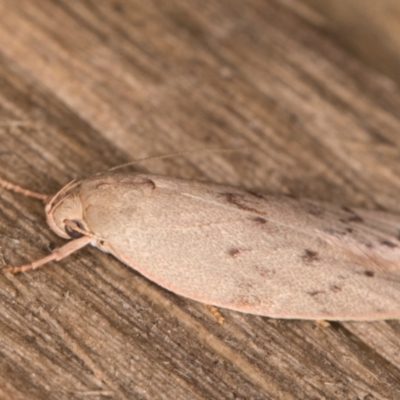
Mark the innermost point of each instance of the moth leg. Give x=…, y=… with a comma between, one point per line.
x=217, y=315
x=55, y=255
x=26, y=192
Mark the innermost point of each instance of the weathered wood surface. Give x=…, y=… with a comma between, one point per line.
x=369, y=29
x=85, y=85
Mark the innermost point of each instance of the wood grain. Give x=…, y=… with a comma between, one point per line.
x=369, y=29
x=86, y=85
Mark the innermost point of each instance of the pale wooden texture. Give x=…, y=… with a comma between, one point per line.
x=86, y=85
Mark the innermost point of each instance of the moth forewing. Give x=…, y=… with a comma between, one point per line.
x=266, y=255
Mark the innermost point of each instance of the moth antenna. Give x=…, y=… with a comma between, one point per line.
x=177, y=154
x=26, y=192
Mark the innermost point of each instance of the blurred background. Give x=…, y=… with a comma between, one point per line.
x=368, y=29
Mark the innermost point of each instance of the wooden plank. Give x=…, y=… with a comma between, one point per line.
x=86, y=85
x=369, y=29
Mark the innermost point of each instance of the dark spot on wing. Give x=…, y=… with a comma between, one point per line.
x=233, y=252
x=349, y=230
x=370, y=274
x=316, y=292
x=310, y=256
x=335, y=289
x=388, y=243
x=347, y=209
x=240, y=202
x=101, y=242
x=260, y=220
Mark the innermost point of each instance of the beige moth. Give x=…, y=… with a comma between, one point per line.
x=259, y=254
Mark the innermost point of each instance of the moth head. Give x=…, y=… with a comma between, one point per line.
x=66, y=206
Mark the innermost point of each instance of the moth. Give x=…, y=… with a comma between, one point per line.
x=259, y=254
